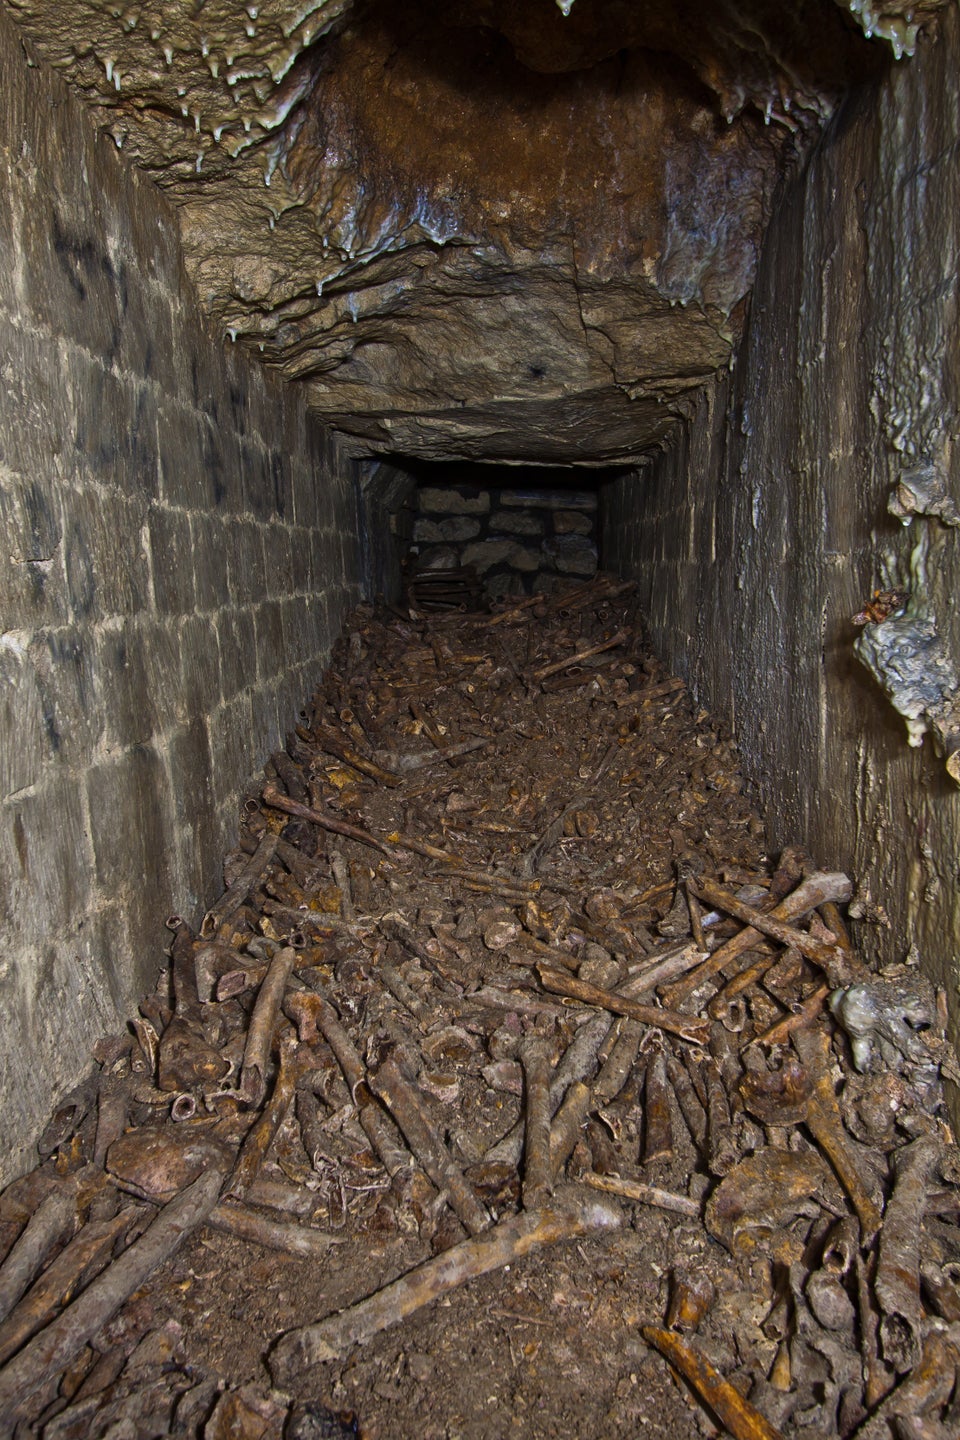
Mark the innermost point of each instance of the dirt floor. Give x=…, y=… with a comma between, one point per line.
x=505, y=1002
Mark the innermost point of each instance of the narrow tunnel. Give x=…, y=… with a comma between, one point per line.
x=636, y=322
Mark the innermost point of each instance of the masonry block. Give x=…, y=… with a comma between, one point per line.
x=44, y=862
x=36, y=403
x=33, y=584
x=159, y=646
x=171, y=558
x=130, y=822
x=232, y=751
x=268, y=625
x=114, y=427
x=236, y=641
x=199, y=664
x=68, y=682
x=211, y=580
x=245, y=563
x=125, y=694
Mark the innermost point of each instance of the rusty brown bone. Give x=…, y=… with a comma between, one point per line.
x=570, y=1216
x=814, y=891
x=392, y=1087
x=687, y=1027
x=48, y=1353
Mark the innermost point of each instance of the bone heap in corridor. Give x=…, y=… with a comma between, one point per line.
x=507, y=1081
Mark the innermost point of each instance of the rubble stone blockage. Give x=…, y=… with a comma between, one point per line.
x=517, y=522
x=551, y=499
x=439, y=557
x=486, y=553
x=570, y=522
x=458, y=527
x=574, y=554
x=557, y=527
x=453, y=502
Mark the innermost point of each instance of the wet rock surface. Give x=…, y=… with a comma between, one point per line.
x=499, y=1088
x=490, y=231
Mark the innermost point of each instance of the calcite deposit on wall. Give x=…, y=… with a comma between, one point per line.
x=493, y=231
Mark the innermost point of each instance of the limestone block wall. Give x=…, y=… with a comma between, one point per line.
x=761, y=531
x=516, y=537
x=387, y=496
x=178, y=547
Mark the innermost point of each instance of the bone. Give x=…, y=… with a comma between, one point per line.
x=245, y=1223
x=815, y=890
x=545, y=670
x=186, y=999
x=571, y=1216
x=391, y=1086
x=616, y=1068
x=897, y=1280
x=263, y=1023
x=276, y=801
x=644, y=1194
x=578, y=1061
x=48, y=1353
x=928, y=1385
x=735, y=1413
x=549, y=952
x=334, y=744
x=537, y=1169
x=823, y=1120
x=403, y=992
x=838, y=964
x=567, y=1122
x=112, y=1105
x=798, y=1020
x=261, y=1134
x=722, y=1151
x=688, y=1027
x=877, y=1381
x=237, y=893
x=429, y=728
x=741, y=982
x=657, y=1119
x=692, y=1293
x=51, y=1224
x=341, y=873
x=211, y=962
x=442, y=754
x=377, y=1126
x=643, y=979
x=693, y=1112
x=85, y=1255
x=580, y=1098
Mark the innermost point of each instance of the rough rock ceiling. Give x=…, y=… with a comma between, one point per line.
x=491, y=230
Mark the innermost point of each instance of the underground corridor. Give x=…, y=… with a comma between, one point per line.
x=479, y=719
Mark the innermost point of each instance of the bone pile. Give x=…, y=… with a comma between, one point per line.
x=500, y=963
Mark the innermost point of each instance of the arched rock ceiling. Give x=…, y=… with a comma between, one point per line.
x=488, y=230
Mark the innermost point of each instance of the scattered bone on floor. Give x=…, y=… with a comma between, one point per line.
x=509, y=1088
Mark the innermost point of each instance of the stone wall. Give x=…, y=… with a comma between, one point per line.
x=516, y=538
x=759, y=534
x=388, y=497
x=178, y=550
